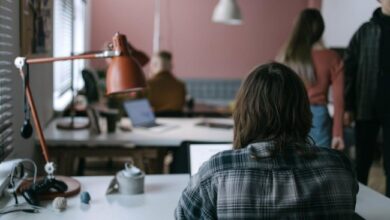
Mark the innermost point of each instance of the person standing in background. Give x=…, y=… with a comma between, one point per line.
x=367, y=90
x=166, y=93
x=319, y=68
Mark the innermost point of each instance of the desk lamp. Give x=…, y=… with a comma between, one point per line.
x=123, y=75
x=75, y=123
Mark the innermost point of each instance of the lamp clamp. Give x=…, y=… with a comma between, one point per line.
x=50, y=168
x=20, y=62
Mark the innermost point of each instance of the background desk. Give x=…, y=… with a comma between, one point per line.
x=66, y=145
x=162, y=193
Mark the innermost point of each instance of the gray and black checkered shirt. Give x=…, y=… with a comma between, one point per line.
x=236, y=185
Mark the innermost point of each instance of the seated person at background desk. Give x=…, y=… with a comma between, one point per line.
x=165, y=92
x=274, y=171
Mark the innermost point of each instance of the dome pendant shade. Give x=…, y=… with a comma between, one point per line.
x=227, y=12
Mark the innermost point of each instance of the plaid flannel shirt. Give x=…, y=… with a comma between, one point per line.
x=251, y=183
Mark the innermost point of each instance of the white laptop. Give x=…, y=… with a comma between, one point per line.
x=200, y=153
x=141, y=115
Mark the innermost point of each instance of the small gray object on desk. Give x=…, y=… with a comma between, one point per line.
x=129, y=181
x=131, y=186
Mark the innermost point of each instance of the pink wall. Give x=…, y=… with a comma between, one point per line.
x=200, y=48
x=315, y=4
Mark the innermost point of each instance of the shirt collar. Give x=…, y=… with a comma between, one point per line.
x=266, y=149
x=380, y=18
x=261, y=149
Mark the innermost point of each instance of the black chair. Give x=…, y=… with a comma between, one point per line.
x=181, y=157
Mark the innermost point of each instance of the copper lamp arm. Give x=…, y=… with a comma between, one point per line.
x=21, y=61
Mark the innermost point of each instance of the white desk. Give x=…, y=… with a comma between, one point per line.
x=142, y=144
x=371, y=204
x=162, y=193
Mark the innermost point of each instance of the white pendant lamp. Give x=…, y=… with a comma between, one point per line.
x=227, y=12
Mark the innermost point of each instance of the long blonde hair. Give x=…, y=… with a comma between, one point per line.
x=308, y=30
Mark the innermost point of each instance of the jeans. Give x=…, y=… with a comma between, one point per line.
x=321, y=131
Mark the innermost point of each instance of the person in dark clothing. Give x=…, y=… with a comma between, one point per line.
x=367, y=90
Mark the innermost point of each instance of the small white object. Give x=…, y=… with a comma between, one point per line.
x=227, y=12
x=60, y=203
x=19, y=62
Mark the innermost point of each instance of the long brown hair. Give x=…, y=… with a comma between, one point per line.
x=308, y=30
x=272, y=105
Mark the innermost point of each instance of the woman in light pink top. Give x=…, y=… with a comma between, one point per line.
x=319, y=68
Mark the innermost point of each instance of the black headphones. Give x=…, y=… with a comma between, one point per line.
x=26, y=130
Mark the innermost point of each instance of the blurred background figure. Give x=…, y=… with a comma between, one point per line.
x=319, y=68
x=166, y=93
x=367, y=90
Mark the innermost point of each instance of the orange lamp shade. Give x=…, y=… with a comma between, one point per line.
x=124, y=73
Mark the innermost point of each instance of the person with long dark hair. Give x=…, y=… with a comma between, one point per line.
x=319, y=68
x=273, y=171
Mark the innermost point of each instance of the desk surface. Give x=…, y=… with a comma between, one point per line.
x=371, y=204
x=185, y=129
x=162, y=193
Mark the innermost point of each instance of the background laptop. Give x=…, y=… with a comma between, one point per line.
x=200, y=153
x=140, y=113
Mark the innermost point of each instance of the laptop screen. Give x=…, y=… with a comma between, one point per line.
x=200, y=153
x=140, y=112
